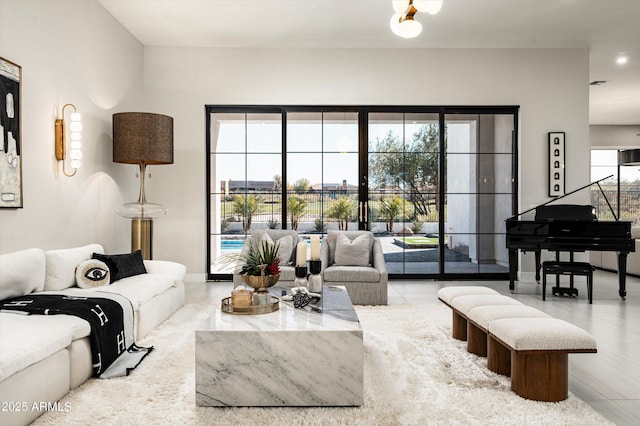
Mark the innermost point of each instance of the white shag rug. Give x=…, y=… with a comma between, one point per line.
x=415, y=373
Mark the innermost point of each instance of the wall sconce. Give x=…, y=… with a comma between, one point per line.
x=76, y=140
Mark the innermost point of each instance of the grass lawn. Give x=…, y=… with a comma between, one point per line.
x=421, y=240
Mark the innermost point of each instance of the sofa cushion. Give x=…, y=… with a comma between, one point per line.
x=139, y=289
x=92, y=273
x=122, y=265
x=361, y=274
x=21, y=273
x=27, y=339
x=354, y=252
x=61, y=265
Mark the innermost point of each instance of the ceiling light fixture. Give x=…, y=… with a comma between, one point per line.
x=430, y=6
x=622, y=60
x=405, y=26
x=403, y=23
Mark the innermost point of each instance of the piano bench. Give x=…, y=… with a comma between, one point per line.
x=567, y=268
x=534, y=353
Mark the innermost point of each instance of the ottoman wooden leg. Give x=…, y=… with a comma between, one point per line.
x=459, y=325
x=498, y=357
x=540, y=376
x=476, y=340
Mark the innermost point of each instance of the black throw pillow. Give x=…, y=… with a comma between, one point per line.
x=122, y=265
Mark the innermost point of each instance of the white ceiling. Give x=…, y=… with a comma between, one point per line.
x=607, y=28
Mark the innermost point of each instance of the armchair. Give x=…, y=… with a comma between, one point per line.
x=359, y=266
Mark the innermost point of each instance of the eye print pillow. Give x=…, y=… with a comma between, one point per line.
x=92, y=273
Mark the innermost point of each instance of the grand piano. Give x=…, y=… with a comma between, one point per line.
x=568, y=228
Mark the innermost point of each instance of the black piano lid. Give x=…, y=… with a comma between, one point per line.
x=568, y=211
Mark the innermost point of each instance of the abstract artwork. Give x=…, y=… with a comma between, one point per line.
x=556, y=164
x=10, y=150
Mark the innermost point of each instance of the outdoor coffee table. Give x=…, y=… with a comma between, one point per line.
x=291, y=357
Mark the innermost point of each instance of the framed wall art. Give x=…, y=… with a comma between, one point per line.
x=556, y=164
x=10, y=148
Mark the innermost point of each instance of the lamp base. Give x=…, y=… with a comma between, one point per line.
x=141, y=234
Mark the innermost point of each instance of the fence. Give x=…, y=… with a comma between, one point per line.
x=318, y=207
x=629, y=204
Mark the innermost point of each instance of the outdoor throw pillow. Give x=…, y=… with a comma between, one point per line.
x=123, y=265
x=352, y=252
x=92, y=273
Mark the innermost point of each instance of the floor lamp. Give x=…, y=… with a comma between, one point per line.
x=142, y=138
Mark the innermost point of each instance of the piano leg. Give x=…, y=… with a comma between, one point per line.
x=537, y=256
x=622, y=275
x=513, y=268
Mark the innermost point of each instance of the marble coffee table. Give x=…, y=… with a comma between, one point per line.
x=292, y=357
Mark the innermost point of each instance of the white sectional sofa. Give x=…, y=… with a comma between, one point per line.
x=43, y=357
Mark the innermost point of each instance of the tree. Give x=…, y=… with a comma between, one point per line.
x=296, y=207
x=246, y=208
x=277, y=183
x=412, y=166
x=341, y=210
x=390, y=209
x=301, y=186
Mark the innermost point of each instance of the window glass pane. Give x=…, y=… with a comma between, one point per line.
x=304, y=132
x=264, y=133
x=228, y=133
x=340, y=132
x=386, y=132
x=605, y=163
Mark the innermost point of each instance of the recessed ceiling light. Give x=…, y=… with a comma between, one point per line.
x=597, y=82
x=621, y=60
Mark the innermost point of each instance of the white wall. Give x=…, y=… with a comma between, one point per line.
x=70, y=52
x=614, y=137
x=550, y=85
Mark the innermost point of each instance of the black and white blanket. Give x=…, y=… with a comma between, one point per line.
x=110, y=316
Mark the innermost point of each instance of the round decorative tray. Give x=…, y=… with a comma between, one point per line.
x=250, y=310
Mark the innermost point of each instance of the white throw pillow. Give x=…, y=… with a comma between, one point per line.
x=352, y=252
x=285, y=246
x=92, y=273
x=21, y=273
x=61, y=265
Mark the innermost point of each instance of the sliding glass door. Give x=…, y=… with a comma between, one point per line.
x=434, y=184
x=403, y=189
x=479, y=182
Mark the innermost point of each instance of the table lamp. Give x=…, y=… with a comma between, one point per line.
x=142, y=138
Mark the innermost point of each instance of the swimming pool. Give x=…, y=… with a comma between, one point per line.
x=236, y=245
x=226, y=245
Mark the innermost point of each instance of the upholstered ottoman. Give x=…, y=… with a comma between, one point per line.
x=461, y=305
x=478, y=320
x=447, y=293
x=534, y=352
